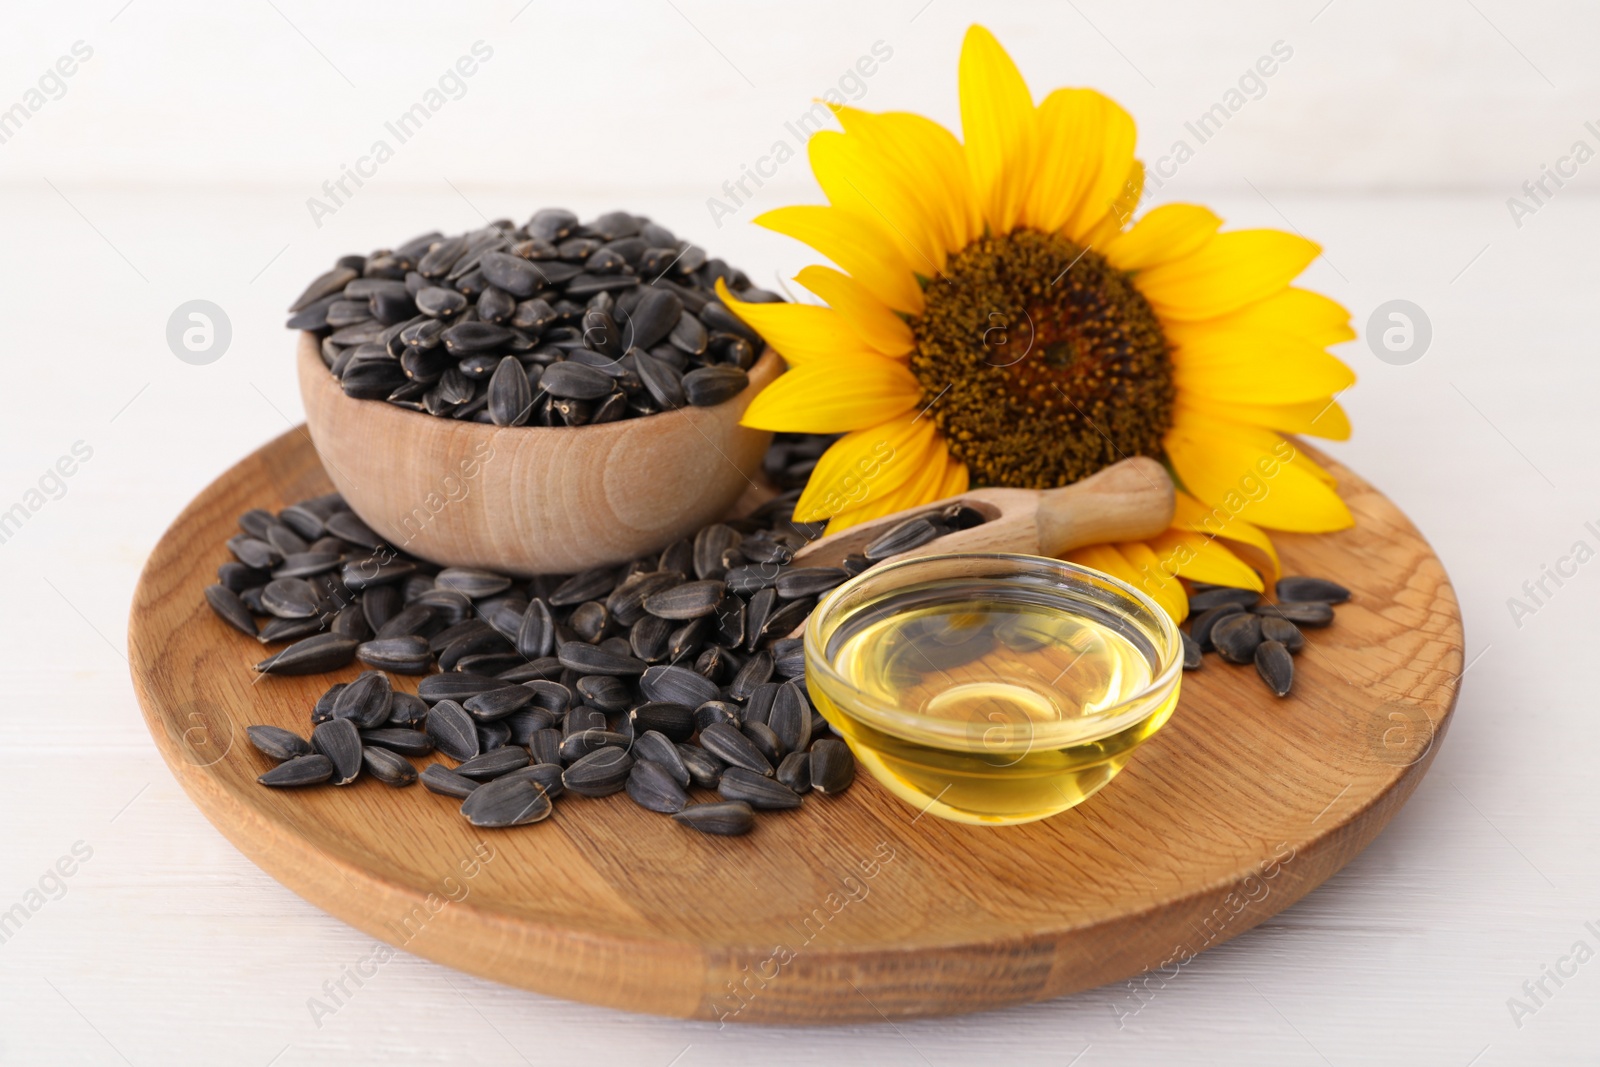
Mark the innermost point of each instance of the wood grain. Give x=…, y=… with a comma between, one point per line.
x=853, y=908
x=531, y=499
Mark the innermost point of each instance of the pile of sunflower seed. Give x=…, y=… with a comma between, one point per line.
x=553, y=323
x=1240, y=628
x=669, y=672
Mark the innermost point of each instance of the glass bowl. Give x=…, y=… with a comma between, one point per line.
x=989, y=688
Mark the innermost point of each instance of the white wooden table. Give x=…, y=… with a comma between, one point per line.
x=166, y=946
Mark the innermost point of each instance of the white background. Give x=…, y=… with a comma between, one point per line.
x=177, y=166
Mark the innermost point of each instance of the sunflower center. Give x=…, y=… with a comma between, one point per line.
x=1041, y=362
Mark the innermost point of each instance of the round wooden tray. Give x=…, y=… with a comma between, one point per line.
x=856, y=907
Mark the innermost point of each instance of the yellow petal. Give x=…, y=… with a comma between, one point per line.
x=856, y=181
x=1257, y=367
x=1317, y=418
x=1312, y=316
x=861, y=467
x=1084, y=148
x=1203, y=559
x=800, y=333
x=1156, y=580
x=998, y=128
x=931, y=162
x=835, y=396
x=1193, y=516
x=956, y=479
x=1228, y=272
x=1253, y=473
x=857, y=245
x=1122, y=209
x=1108, y=560
x=923, y=487
x=1168, y=232
x=872, y=320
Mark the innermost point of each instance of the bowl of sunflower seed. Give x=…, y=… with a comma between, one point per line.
x=534, y=399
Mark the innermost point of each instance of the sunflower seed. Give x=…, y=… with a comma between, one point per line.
x=493, y=735
x=398, y=739
x=1275, y=666
x=594, y=659
x=524, y=723
x=579, y=719
x=709, y=545
x=652, y=787
x=600, y=773
x=676, y=721
x=312, y=655
x=545, y=746
x=725, y=819
x=766, y=741
x=1237, y=636
x=604, y=691
x=407, y=710
x=277, y=742
x=403, y=655
x=757, y=790
x=494, y=763
x=795, y=772
x=580, y=743
x=1301, y=612
x=546, y=776
x=1282, y=631
x=452, y=730
x=230, y=609
x=704, y=769
x=1201, y=627
x=798, y=582
x=749, y=579
x=387, y=767
x=536, y=637
x=913, y=533
x=662, y=380
x=1191, y=652
x=782, y=621
x=729, y=745
x=757, y=671
x=471, y=583
x=575, y=381
x=677, y=685
x=546, y=668
x=690, y=600
x=759, y=707
x=589, y=621
x=340, y=741
x=706, y=387
x=437, y=778
x=409, y=621
x=549, y=695
x=507, y=802
x=456, y=686
x=654, y=746
x=686, y=640
x=497, y=703
x=833, y=767
x=1219, y=595
x=323, y=710
x=300, y=771
x=366, y=700
x=591, y=584
x=790, y=718
x=1294, y=587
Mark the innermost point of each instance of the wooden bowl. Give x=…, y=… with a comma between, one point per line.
x=531, y=499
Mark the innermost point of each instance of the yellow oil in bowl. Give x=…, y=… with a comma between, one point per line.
x=992, y=688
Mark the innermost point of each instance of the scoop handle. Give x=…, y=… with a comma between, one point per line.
x=1129, y=500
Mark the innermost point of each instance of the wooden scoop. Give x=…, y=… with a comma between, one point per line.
x=1124, y=502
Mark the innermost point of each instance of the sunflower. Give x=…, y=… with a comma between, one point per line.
x=997, y=318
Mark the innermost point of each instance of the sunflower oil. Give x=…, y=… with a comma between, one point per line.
x=992, y=698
